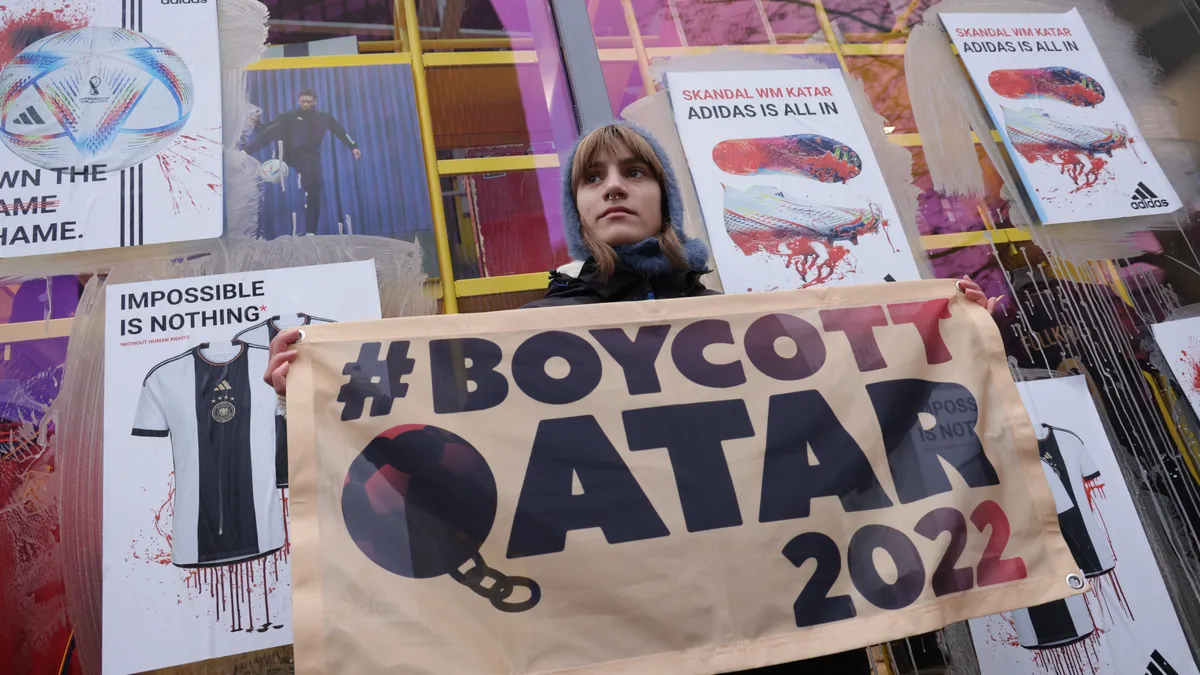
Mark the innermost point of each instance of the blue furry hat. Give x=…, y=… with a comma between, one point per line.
x=645, y=256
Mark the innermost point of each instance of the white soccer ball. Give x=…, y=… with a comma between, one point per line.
x=273, y=170
x=103, y=95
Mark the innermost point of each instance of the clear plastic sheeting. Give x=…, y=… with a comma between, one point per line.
x=77, y=412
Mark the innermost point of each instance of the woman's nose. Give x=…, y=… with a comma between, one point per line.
x=614, y=188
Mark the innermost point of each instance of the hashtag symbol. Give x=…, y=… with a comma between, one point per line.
x=375, y=379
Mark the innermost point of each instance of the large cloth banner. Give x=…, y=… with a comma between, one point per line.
x=685, y=486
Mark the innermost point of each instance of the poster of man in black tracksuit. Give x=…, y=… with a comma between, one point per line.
x=302, y=131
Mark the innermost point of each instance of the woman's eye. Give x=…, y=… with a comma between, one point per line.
x=592, y=178
x=636, y=173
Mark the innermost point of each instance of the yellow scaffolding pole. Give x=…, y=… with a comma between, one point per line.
x=830, y=36
x=425, y=119
x=639, y=47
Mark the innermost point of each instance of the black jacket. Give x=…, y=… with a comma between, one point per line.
x=625, y=285
x=301, y=131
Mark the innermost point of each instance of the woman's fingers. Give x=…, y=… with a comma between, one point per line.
x=284, y=339
x=276, y=361
x=281, y=348
x=279, y=378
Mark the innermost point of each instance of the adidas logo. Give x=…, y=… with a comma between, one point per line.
x=224, y=386
x=1144, y=198
x=1159, y=666
x=30, y=116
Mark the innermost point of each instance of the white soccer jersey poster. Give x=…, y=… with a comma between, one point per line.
x=1179, y=341
x=195, y=507
x=110, y=125
x=791, y=193
x=1071, y=137
x=1126, y=622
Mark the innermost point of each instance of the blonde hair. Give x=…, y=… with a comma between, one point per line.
x=613, y=138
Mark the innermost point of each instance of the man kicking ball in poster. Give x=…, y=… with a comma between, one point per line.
x=302, y=131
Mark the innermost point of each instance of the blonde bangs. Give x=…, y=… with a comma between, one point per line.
x=613, y=138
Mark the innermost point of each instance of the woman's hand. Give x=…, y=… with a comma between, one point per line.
x=281, y=359
x=973, y=292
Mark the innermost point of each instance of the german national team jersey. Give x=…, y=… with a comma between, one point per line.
x=1054, y=624
x=219, y=415
x=261, y=334
x=1061, y=622
x=1071, y=466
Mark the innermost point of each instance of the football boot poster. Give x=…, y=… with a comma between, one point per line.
x=196, y=544
x=1068, y=131
x=110, y=125
x=791, y=193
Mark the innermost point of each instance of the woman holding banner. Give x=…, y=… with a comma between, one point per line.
x=623, y=216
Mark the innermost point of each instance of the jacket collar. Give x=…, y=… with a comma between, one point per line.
x=625, y=281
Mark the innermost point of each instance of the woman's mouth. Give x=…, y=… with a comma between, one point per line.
x=616, y=210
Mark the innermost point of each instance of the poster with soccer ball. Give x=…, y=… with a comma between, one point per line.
x=1179, y=341
x=110, y=125
x=1125, y=623
x=791, y=193
x=1068, y=131
x=196, y=548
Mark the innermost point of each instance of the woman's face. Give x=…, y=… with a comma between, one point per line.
x=619, y=200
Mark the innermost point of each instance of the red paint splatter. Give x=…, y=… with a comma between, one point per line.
x=1079, y=658
x=234, y=588
x=1074, y=659
x=18, y=31
x=181, y=166
x=1094, y=489
x=1047, y=83
x=1085, y=170
x=1191, y=371
x=1104, y=586
x=800, y=255
x=817, y=157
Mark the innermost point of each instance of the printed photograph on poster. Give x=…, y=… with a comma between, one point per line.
x=110, y=126
x=196, y=550
x=1068, y=130
x=791, y=194
x=1179, y=341
x=1125, y=623
x=340, y=151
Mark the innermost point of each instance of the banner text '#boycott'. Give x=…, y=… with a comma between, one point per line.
x=465, y=378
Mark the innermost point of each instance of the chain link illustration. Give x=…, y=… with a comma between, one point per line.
x=500, y=589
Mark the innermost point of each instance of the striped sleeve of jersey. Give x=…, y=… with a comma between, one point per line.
x=151, y=418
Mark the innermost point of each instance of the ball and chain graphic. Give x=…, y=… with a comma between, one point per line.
x=420, y=501
x=91, y=96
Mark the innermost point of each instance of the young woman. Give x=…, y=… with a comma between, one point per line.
x=623, y=216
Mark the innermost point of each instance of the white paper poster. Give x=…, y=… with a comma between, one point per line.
x=791, y=193
x=110, y=125
x=1179, y=341
x=195, y=460
x=1070, y=135
x=1125, y=623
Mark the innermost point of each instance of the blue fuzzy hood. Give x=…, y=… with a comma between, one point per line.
x=643, y=257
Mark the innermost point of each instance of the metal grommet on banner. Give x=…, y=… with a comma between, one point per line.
x=1075, y=581
x=958, y=285
x=301, y=338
